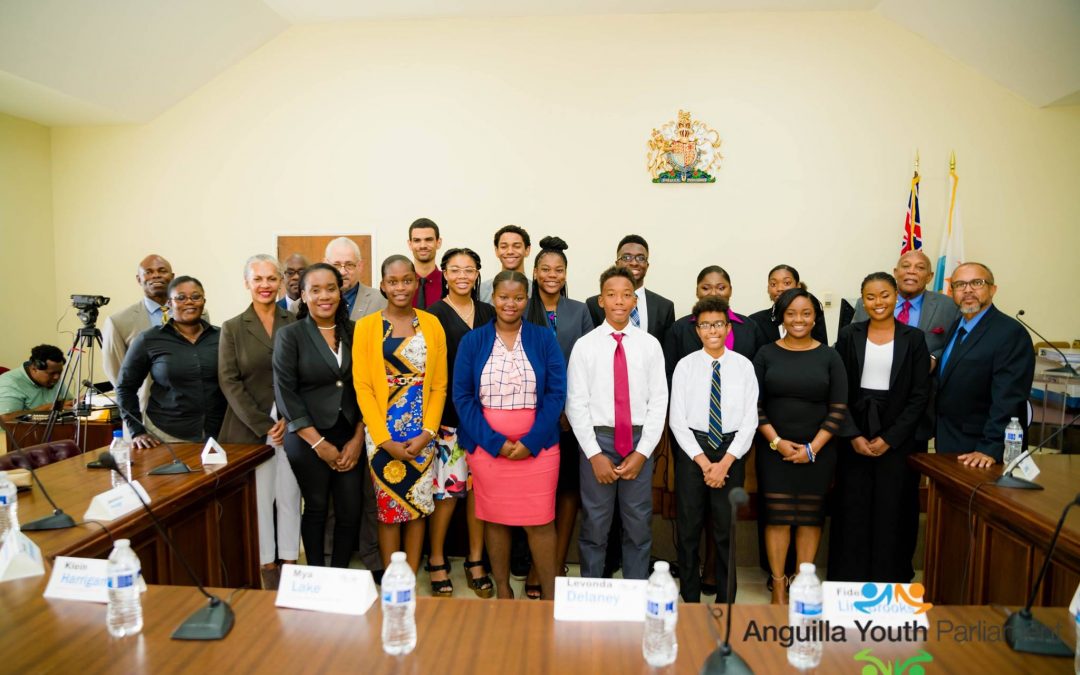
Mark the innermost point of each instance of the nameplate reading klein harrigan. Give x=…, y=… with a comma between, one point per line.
x=579, y=599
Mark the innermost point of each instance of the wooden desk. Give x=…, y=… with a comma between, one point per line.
x=209, y=513
x=454, y=636
x=1012, y=530
x=24, y=434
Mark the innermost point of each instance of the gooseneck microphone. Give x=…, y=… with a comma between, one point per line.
x=724, y=659
x=1065, y=368
x=212, y=622
x=174, y=467
x=58, y=520
x=1007, y=478
x=1023, y=632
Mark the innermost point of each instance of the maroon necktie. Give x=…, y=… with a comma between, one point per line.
x=905, y=313
x=624, y=432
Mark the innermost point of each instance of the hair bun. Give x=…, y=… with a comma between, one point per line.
x=553, y=244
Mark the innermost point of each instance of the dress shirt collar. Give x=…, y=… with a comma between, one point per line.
x=153, y=309
x=705, y=359
x=608, y=329
x=916, y=302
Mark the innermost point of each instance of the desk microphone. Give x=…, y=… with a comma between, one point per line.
x=212, y=622
x=1066, y=368
x=724, y=659
x=58, y=520
x=1010, y=481
x=174, y=467
x=1023, y=632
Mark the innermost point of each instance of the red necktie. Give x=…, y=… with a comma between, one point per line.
x=624, y=432
x=905, y=313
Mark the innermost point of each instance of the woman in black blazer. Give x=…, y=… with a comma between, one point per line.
x=313, y=387
x=876, y=501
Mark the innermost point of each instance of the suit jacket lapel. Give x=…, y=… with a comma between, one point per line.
x=901, y=339
x=320, y=345
x=965, y=345
x=859, y=339
x=653, y=310
x=255, y=328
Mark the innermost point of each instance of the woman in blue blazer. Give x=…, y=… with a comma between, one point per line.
x=509, y=390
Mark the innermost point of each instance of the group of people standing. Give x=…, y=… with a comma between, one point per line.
x=387, y=407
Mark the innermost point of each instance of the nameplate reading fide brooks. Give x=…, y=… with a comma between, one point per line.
x=120, y=500
x=326, y=589
x=84, y=579
x=213, y=453
x=578, y=599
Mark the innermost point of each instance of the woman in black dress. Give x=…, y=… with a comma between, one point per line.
x=568, y=320
x=802, y=405
x=877, y=494
x=682, y=340
x=459, y=312
x=782, y=278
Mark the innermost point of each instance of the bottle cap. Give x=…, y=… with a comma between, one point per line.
x=122, y=543
x=808, y=568
x=661, y=566
x=397, y=556
x=118, y=433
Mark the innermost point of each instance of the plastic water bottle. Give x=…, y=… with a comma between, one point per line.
x=659, y=646
x=9, y=507
x=398, y=606
x=120, y=449
x=1076, y=663
x=804, y=615
x=124, y=614
x=1014, y=440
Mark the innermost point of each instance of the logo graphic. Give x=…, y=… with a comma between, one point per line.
x=889, y=593
x=910, y=666
x=684, y=151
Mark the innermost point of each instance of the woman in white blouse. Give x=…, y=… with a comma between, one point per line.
x=714, y=394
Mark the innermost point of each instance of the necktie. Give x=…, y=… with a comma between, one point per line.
x=164, y=314
x=960, y=333
x=635, y=318
x=624, y=432
x=716, y=420
x=421, y=297
x=905, y=313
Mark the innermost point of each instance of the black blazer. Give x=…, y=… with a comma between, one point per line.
x=771, y=330
x=682, y=340
x=661, y=313
x=310, y=388
x=986, y=380
x=909, y=379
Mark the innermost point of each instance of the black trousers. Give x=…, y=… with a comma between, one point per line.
x=875, y=518
x=692, y=499
x=317, y=483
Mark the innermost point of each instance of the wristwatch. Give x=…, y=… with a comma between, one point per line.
x=774, y=443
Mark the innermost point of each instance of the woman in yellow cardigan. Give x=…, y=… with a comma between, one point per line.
x=399, y=370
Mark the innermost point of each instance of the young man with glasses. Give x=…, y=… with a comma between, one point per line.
x=984, y=372
x=714, y=394
x=343, y=254
x=654, y=313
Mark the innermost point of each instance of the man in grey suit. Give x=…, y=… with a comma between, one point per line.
x=120, y=329
x=344, y=254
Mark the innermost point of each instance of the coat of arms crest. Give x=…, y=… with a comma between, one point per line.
x=684, y=151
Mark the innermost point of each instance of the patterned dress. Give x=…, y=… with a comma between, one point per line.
x=403, y=488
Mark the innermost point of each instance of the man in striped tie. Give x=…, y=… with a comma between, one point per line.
x=714, y=395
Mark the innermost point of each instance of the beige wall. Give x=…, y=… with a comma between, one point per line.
x=543, y=122
x=27, y=280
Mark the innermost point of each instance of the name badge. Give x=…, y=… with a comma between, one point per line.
x=846, y=603
x=326, y=589
x=580, y=599
x=1028, y=468
x=119, y=501
x=20, y=557
x=83, y=579
x=213, y=453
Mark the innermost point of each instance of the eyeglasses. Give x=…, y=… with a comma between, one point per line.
x=194, y=297
x=292, y=273
x=455, y=271
x=639, y=258
x=705, y=326
x=974, y=283
x=345, y=266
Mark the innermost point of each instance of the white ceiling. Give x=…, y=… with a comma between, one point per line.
x=85, y=62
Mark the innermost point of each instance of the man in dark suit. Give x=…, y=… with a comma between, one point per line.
x=984, y=373
x=294, y=266
x=654, y=312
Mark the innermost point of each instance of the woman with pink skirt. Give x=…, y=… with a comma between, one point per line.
x=509, y=389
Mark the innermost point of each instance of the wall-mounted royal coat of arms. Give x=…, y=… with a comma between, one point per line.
x=684, y=151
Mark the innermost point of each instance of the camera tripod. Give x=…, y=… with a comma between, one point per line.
x=75, y=377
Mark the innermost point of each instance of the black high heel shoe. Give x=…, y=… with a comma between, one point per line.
x=483, y=587
x=444, y=588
